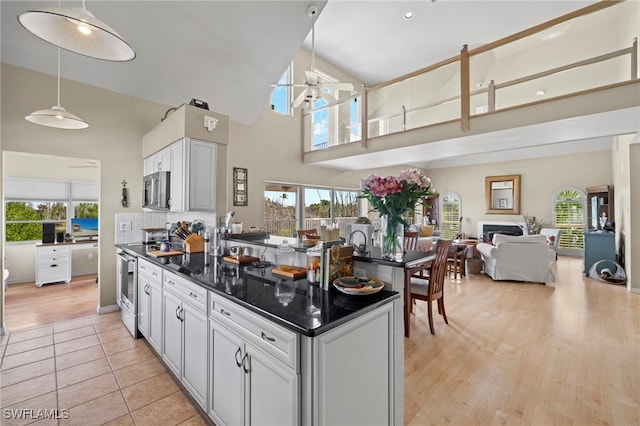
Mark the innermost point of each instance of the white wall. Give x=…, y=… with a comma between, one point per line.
x=540, y=178
x=117, y=124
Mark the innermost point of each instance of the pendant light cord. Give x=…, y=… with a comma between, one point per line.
x=58, y=77
x=313, y=40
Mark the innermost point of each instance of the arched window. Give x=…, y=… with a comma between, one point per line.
x=569, y=216
x=450, y=222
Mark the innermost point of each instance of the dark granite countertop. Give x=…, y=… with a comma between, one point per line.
x=295, y=304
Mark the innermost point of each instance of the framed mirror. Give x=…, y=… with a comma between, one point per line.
x=502, y=194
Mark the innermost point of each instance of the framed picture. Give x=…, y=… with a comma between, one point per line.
x=240, y=187
x=502, y=194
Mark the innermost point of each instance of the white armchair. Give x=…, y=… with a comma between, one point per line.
x=527, y=258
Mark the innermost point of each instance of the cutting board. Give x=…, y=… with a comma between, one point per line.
x=242, y=260
x=158, y=253
x=294, y=272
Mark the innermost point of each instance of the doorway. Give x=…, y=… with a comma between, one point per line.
x=60, y=191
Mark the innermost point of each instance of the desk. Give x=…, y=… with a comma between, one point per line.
x=409, y=270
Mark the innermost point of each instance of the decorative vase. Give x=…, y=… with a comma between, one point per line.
x=392, y=238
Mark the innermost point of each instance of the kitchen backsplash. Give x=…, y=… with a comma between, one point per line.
x=129, y=225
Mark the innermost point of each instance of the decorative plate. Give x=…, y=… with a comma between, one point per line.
x=358, y=285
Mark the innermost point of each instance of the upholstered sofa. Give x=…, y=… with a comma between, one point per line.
x=525, y=258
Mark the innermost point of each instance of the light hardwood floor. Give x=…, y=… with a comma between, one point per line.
x=513, y=353
x=563, y=353
x=28, y=306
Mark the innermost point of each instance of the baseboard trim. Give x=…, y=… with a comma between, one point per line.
x=106, y=309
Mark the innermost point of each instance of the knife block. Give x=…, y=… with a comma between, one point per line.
x=194, y=243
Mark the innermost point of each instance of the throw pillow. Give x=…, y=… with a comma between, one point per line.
x=426, y=231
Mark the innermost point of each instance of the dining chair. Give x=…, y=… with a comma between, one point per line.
x=456, y=260
x=431, y=288
x=303, y=232
x=411, y=240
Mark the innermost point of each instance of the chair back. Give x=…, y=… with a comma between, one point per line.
x=439, y=269
x=303, y=232
x=411, y=239
x=553, y=236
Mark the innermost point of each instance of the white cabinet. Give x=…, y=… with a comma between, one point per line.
x=193, y=175
x=150, y=303
x=158, y=162
x=53, y=264
x=185, y=346
x=353, y=362
x=176, y=202
x=254, y=368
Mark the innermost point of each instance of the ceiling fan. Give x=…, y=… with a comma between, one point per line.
x=313, y=84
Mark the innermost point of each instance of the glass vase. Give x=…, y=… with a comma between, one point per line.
x=392, y=231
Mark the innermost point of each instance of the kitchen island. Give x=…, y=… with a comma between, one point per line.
x=256, y=348
x=370, y=264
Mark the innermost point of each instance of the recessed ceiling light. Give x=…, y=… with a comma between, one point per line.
x=408, y=16
x=540, y=92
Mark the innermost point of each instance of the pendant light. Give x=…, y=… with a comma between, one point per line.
x=57, y=116
x=77, y=30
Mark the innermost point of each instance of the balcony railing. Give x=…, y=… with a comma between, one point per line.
x=564, y=56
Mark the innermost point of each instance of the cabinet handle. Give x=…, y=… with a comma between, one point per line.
x=223, y=312
x=178, y=313
x=146, y=289
x=267, y=338
x=182, y=314
x=195, y=296
x=238, y=361
x=54, y=266
x=245, y=363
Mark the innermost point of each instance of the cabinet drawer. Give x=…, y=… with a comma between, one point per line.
x=152, y=271
x=54, y=272
x=55, y=259
x=271, y=338
x=53, y=251
x=186, y=290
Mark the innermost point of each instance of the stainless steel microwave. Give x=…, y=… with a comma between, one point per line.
x=156, y=191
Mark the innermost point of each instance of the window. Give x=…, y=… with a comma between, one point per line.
x=291, y=207
x=31, y=202
x=24, y=219
x=569, y=217
x=281, y=95
x=450, y=225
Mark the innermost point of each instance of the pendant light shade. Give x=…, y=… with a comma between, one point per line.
x=57, y=116
x=77, y=30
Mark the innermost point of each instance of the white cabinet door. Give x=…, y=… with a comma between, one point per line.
x=194, y=367
x=177, y=177
x=155, y=317
x=149, y=165
x=272, y=391
x=163, y=161
x=201, y=175
x=144, y=305
x=226, y=396
x=172, y=336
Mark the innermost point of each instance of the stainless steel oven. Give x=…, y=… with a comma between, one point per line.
x=128, y=290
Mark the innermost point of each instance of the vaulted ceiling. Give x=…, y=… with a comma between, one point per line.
x=228, y=53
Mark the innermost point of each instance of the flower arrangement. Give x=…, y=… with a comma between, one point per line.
x=393, y=196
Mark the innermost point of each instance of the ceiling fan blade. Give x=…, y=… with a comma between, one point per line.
x=347, y=87
x=327, y=97
x=301, y=98
x=289, y=85
x=311, y=78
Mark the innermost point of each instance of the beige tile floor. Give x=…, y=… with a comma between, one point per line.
x=92, y=372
